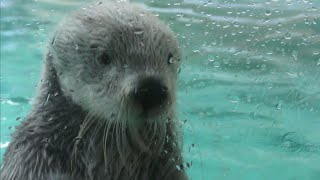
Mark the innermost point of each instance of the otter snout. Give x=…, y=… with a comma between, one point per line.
x=150, y=94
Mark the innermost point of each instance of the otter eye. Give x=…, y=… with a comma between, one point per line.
x=170, y=58
x=104, y=59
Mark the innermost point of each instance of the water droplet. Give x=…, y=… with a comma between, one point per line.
x=138, y=32
x=179, y=70
x=178, y=167
x=235, y=99
x=279, y=105
x=287, y=36
x=225, y=26
x=295, y=55
x=318, y=62
x=268, y=13
x=170, y=58
x=236, y=24
x=125, y=66
x=44, y=140
x=216, y=64
x=188, y=165
x=48, y=97
x=76, y=47
x=210, y=58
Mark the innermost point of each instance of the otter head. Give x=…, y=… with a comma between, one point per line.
x=119, y=63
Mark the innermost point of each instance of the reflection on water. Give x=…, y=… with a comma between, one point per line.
x=249, y=89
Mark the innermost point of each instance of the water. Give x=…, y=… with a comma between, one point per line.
x=249, y=88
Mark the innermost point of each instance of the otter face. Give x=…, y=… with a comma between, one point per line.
x=115, y=57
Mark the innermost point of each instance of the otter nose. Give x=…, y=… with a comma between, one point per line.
x=151, y=93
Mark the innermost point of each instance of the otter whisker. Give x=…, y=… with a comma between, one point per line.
x=87, y=122
x=111, y=123
x=106, y=130
x=122, y=141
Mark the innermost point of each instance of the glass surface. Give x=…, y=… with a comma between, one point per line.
x=249, y=87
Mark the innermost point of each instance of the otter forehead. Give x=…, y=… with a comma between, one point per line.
x=118, y=28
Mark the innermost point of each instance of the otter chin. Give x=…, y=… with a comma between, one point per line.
x=105, y=108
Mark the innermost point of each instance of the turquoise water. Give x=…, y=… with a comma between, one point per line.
x=249, y=89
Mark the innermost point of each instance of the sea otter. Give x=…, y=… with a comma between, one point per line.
x=105, y=108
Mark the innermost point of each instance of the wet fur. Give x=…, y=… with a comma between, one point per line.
x=82, y=125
